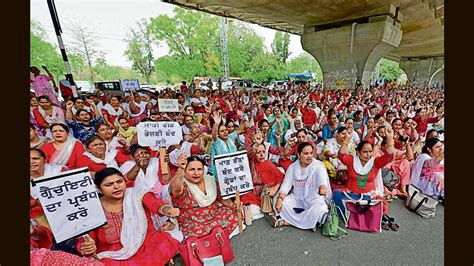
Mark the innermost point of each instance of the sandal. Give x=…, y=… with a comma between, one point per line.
x=389, y=198
x=393, y=225
x=273, y=220
x=385, y=224
x=279, y=222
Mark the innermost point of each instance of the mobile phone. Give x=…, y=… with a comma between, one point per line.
x=403, y=138
x=298, y=210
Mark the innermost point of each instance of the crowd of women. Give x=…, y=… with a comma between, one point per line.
x=306, y=146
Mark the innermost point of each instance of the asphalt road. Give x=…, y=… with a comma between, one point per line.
x=419, y=241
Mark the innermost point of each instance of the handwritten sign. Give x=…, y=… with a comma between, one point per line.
x=162, y=134
x=128, y=85
x=233, y=173
x=168, y=105
x=71, y=203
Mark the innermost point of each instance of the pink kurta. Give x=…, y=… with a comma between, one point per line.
x=41, y=86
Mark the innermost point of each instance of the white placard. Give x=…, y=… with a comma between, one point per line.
x=233, y=173
x=71, y=203
x=168, y=105
x=128, y=85
x=162, y=134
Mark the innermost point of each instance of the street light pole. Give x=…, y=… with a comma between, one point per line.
x=58, y=30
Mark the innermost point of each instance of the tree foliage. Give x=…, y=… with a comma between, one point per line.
x=43, y=52
x=139, y=50
x=280, y=46
x=389, y=70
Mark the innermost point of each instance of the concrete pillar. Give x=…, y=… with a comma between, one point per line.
x=437, y=76
x=373, y=38
x=420, y=69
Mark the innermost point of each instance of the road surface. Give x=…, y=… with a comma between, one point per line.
x=419, y=241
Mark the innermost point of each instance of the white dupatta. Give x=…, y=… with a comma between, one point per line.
x=134, y=226
x=55, y=115
x=207, y=199
x=364, y=170
x=110, y=109
x=109, y=159
x=317, y=175
x=61, y=157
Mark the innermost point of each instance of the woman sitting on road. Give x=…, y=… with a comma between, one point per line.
x=129, y=236
x=308, y=182
x=337, y=171
x=223, y=142
x=47, y=114
x=112, y=142
x=35, y=140
x=428, y=171
x=364, y=175
x=63, y=150
x=126, y=131
x=97, y=157
x=84, y=127
x=264, y=174
x=113, y=110
x=197, y=197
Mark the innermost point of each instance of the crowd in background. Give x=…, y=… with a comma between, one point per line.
x=306, y=145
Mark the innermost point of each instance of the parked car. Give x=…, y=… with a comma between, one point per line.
x=241, y=84
x=277, y=85
x=110, y=86
x=84, y=87
x=148, y=87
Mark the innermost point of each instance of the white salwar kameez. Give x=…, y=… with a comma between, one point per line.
x=305, y=184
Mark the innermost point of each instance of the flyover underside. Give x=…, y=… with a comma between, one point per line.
x=421, y=23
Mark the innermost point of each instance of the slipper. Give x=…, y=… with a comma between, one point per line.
x=391, y=222
x=385, y=224
x=389, y=198
x=279, y=222
x=394, y=226
x=274, y=221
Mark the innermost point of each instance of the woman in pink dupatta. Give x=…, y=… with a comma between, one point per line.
x=428, y=171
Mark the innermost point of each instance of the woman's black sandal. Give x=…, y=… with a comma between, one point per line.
x=385, y=223
x=392, y=224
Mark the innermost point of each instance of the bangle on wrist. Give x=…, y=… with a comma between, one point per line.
x=165, y=208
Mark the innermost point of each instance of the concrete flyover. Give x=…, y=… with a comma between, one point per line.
x=349, y=37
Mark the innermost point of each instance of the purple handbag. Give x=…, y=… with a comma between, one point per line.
x=364, y=215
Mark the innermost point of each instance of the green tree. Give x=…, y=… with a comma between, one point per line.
x=43, y=52
x=388, y=69
x=139, y=50
x=301, y=64
x=280, y=46
x=193, y=40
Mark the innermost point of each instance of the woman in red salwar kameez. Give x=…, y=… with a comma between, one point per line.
x=63, y=150
x=135, y=242
x=264, y=172
x=196, y=195
x=97, y=157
